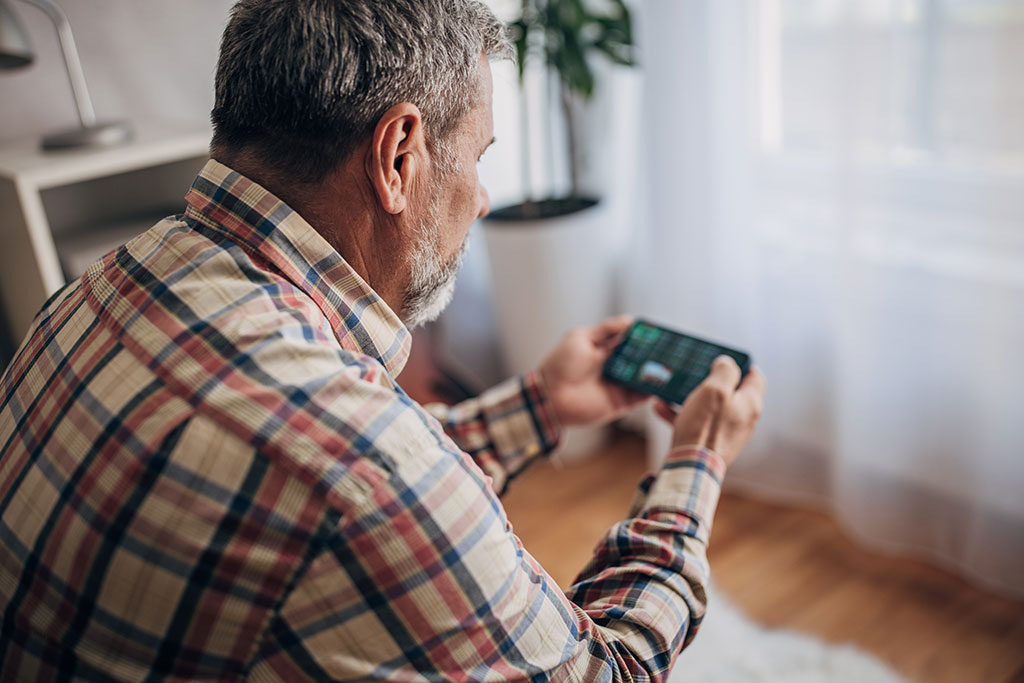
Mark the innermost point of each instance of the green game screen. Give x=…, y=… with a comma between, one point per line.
x=665, y=363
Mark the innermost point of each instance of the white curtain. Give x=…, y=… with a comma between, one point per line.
x=838, y=187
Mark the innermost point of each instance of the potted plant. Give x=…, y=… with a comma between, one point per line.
x=548, y=269
x=550, y=265
x=565, y=34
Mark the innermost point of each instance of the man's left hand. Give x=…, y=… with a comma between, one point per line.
x=572, y=374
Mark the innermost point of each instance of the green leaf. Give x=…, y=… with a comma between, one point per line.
x=520, y=38
x=575, y=71
x=571, y=31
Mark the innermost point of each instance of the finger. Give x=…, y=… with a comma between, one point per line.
x=751, y=392
x=665, y=411
x=753, y=383
x=610, y=329
x=621, y=398
x=624, y=396
x=725, y=374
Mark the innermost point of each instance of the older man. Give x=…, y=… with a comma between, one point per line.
x=208, y=469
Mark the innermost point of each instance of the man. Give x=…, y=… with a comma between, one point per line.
x=208, y=470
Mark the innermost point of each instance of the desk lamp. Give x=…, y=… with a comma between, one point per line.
x=15, y=52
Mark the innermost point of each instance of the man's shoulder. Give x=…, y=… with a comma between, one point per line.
x=197, y=273
x=186, y=288
x=255, y=354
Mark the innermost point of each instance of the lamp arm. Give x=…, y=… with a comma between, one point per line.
x=86, y=114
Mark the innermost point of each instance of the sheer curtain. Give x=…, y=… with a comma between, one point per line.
x=838, y=186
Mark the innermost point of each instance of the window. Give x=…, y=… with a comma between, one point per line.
x=895, y=82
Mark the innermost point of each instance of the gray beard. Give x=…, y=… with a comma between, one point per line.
x=432, y=283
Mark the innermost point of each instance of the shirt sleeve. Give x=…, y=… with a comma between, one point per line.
x=438, y=587
x=504, y=428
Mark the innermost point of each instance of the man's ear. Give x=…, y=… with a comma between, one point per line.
x=397, y=153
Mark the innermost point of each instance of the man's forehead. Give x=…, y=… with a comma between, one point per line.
x=489, y=100
x=483, y=113
x=476, y=128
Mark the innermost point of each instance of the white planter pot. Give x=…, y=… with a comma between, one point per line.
x=548, y=276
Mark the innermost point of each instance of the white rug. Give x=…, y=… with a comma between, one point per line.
x=730, y=648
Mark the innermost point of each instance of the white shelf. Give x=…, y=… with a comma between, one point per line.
x=152, y=145
x=81, y=200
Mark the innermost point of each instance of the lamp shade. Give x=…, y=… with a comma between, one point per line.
x=15, y=50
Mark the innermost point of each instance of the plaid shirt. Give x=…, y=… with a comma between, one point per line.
x=208, y=471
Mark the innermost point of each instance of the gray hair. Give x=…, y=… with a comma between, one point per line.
x=302, y=83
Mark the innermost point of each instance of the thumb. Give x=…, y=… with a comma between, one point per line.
x=609, y=330
x=665, y=411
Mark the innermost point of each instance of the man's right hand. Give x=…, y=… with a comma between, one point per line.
x=721, y=412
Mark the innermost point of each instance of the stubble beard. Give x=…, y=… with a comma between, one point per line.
x=432, y=283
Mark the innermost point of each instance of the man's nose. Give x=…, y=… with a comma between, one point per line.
x=483, y=202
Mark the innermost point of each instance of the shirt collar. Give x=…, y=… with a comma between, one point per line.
x=227, y=201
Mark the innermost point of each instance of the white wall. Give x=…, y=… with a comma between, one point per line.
x=143, y=59
x=154, y=60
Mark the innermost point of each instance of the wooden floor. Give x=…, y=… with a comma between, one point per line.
x=788, y=568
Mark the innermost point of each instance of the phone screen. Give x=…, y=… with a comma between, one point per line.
x=669, y=364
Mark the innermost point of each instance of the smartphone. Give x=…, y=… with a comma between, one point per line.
x=669, y=364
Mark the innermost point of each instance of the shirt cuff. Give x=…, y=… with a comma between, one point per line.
x=520, y=419
x=690, y=480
